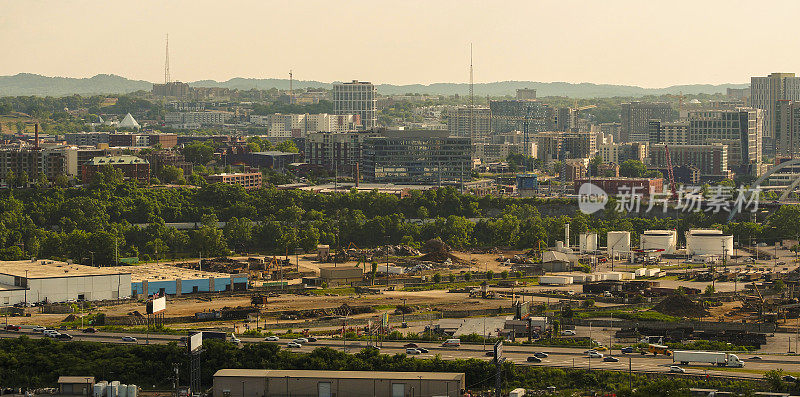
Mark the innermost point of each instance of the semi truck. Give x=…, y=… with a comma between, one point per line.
x=719, y=359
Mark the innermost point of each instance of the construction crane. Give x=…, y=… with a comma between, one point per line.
x=670, y=173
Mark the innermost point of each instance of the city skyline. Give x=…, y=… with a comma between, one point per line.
x=616, y=42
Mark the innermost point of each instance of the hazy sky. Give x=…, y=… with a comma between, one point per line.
x=641, y=42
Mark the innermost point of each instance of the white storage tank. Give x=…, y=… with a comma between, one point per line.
x=122, y=391
x=618, y=242
x=113, y=389
x=587, y=242
x=555, y=280
x=665, y=240
x=708, y=242
x=100, y=388
x=133, y=390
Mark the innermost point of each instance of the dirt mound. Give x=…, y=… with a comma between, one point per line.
x=69, y=318
x=435, y=245
x=680, y=305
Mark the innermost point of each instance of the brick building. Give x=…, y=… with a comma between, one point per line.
x=132, y=167
x=248, y=180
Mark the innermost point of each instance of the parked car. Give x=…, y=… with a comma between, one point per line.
x=411, y=345
x=628, y=350
x=38, y=328
x=294, y=344
x=568, y=332
x=534, y=359
x=411, y=350
x=128, y=339
x=64, y=336
x=89, y=330
x=272, y=338
x=540, y=355
x=675, y=368
x=10, y=327
x=610, y=359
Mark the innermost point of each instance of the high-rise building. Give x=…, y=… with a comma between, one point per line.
x=417, y=157
x=635, y=118
x=565, y=145
x=765, y=92
x=459, y=118
x=512, y=115
x=671, y=133
x=740, y=130
x=526, y=93
x=359, y=98
x=710, y=160
x=337, y=152
x=52, y=161
x=566, y=119
x=618, y=153
x=787, y=129
x=612, y=129
x=171, y=89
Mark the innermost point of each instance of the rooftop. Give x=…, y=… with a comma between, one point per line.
x=300, y=373
x=163, y=272
x=124, y=159
x=52, y=269
x=76, y=379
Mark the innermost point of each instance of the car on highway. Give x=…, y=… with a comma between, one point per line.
x=128, y=339
x=540, y=355
x=38, y=328
x=422, y=350
x=234, y=339
x=589, y=351
x=300, y=340
x=567, y=332
x=411, y=345
x=411, y=350
x=294, y=344
x=628, y=350
x=53, y=334
x=89, y=330
x=533, y=359
x=601, y=348
x=755, y=358
x=372, y=347
x=789, y=378
x=11, y=327
x=311, y=339
x=49, y=332
x=490, y=353
x=675, y=368
x=64, y=336
x=595, y=355
x=452, y=343
x=272, y=338
x=610, y=359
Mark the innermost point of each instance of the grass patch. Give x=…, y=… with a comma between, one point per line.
x=335, y=291
x=642, y=315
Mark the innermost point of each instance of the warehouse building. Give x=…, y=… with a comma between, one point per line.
x=335, y=276
x=149, y=279
x=54, y=281
x=274, y=383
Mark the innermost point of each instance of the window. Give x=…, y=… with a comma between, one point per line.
x=324, y=389
x=398, y=389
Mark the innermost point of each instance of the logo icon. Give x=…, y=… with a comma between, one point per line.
x=591, y=198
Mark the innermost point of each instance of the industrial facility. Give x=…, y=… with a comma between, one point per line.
x=53, y=281
x=148, y=279
x=664, y=240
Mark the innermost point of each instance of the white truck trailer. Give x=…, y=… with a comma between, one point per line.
x=719, y=359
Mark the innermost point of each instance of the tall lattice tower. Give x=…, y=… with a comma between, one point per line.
x=166, y=63
x=471, y=99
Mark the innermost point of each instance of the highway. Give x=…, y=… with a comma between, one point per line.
x=562, y=357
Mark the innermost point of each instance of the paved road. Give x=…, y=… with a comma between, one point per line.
x=558, y=356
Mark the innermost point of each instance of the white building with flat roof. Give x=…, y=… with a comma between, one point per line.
x=54, y=281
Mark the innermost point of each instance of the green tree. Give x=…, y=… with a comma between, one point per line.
x=437, y=278
x=170, y=174
x=632, y=169
x=489, y=275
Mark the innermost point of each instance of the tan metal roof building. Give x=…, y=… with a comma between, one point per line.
x=273, y=383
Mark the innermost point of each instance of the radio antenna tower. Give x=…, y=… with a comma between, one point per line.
x=291, y=91
x=166, y=63
x=471, y=98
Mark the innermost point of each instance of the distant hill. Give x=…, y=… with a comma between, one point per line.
x=33, y=84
